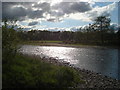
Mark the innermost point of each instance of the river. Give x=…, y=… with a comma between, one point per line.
x=100, y=60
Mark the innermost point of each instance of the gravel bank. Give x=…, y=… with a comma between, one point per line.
x=93, y=80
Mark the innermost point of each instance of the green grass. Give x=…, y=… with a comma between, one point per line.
x=24, y=71
x=60, y=43
x=50, y=43
x=53, y=41
x=81, y=45
x=41, y=43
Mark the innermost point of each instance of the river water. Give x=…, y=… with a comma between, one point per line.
x=100, y=60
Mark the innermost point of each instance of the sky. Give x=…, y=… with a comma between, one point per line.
x=58, y=15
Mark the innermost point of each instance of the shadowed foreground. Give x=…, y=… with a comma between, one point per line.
x=26, y=72
x=35, y=72
x=90, y=78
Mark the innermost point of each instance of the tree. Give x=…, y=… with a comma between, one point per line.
x=9, y=42
x=102, y=23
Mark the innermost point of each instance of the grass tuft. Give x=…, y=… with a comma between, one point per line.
x=25, y=72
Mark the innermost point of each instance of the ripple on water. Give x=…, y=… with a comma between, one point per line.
x=95, y=59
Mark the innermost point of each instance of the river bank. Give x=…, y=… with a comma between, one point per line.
x=25, y=71
x=92, y=79
x=61, y=44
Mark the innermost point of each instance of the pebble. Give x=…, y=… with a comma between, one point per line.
x=93, y=80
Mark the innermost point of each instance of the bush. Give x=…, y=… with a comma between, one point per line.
x=9, y=43
x=27, y=72
x=67, y=77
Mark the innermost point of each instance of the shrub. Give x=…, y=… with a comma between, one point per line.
x=27, y=72
x=67, y=77
x=9, y=43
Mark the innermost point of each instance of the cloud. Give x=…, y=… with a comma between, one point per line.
x=75, y=28
x=63, y=9
x=34, y=12
x=42, y=5
x=57, y=29
x=71, y=7
x=115, y=26
x=98, y=11
x=32, y=23
x=105, y=0
x=12, y=11
x=92, y=14
x=22, y=11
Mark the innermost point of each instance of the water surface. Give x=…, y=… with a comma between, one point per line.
x=100, y=60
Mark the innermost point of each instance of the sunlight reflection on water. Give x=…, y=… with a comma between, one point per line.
x=101, y=60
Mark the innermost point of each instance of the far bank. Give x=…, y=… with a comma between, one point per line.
x=66, y=44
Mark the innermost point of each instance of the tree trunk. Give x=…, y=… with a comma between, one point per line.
x=102, y=41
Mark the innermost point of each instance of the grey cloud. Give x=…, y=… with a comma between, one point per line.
x=20, y=13
x=67, y=8
x=44, y=6
x=72, y=7
x=35, y=14
x=93, y=14
x=41, y=9
x=36, y=10
x=80, y=7
x=57, y=14
x=115, y=26
x=14, y=13
x=11, y=12
x=55, y=19
x=32, y=23
x=51, y=19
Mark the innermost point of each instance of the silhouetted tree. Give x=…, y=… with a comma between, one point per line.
x=102, y=23
x=9, y=42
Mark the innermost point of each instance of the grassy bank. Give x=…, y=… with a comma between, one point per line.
x=52, y=43
x=24, y=71
x=39, y=42
x=61, y=43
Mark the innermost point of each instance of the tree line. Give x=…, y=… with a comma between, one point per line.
x=98, y=33
x=93, y=37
